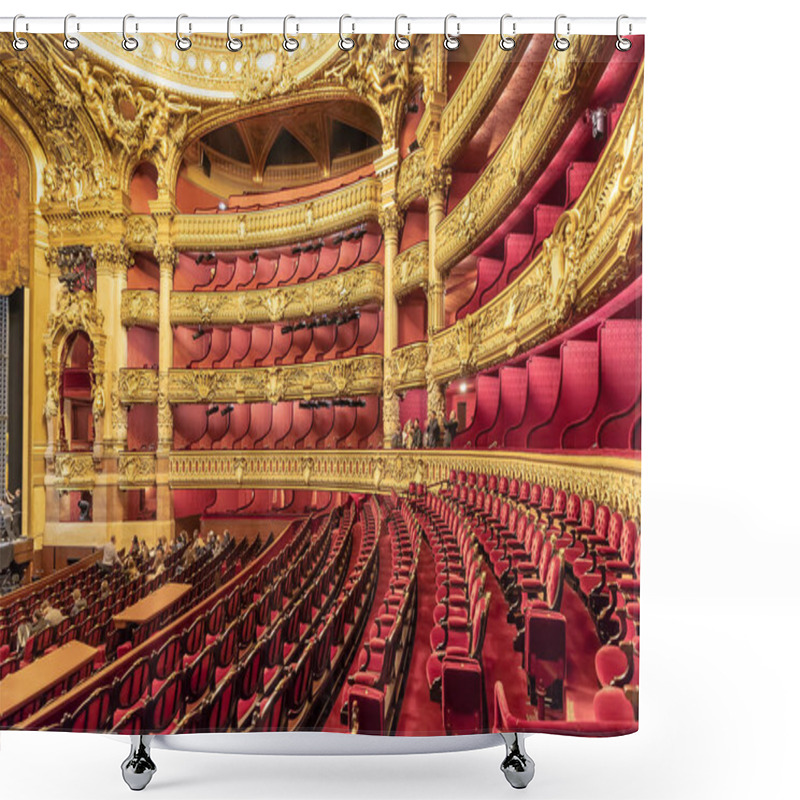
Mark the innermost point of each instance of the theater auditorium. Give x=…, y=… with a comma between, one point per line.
x=321, y=385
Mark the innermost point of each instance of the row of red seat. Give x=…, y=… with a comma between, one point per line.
x=535, y=539
x=586, y=396
x=373, y=696
x=454, y=671
x=279, y=266
x=515, y=242
x=280, y=426
x=267, y=345
x=202, y=651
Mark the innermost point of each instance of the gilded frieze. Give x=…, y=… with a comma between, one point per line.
x=346, y=377
x=138, y=386
x=411, y=177
x=136, y=470
x=613, y=481
x=595, y=248
x=353, y=288
x=410, y=269
x=559, y=94
x=74, y=470
x=332, y=212
x=139, y=307
x=406, y=368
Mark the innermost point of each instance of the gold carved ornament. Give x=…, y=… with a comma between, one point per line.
x=139, y=307
x=74, y=470
x=347, y=377
x=137, y=385
x=610, y=480
x=406, y=367
x=594, y=249
x=410, y=269
x=559, y=95
x=75, y=311
x=136, y=470
x=356, y=287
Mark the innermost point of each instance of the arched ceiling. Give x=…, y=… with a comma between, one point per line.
x=315, y=134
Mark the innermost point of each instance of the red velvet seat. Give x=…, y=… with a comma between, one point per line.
x=222, y=705
x=462, y=695
x=225, y=652
x=93, y=715
x=200, y=674
x=611, y=705
x=366, y=709
x=132, y=689
x=271, y=714
x=249, y=683
x=166, y=708
x=545, y=659
x=166, y=660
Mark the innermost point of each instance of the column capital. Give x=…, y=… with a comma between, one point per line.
x=166, y=255
x=437, y=180
x=391, y=220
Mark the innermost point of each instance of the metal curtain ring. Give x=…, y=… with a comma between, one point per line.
x=290, y=44
x=234, y=45
x=451, y=42
x=182, y=42
x=129, y=43
x=70, y=42
x=19, y=44
x=507, y=42
x=560, y=42
x=400, y=42
x=345, y=42
x=623, y=44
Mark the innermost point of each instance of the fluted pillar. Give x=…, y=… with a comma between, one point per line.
x=167, y=258
x=391, y=221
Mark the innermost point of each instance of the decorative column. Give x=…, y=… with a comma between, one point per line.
x=391, y=220
x=167, y=258
x=435, y=190
x=112, y=261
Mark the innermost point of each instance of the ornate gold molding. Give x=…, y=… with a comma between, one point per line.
x=75, y=470
x=614, y=481
x=278, y=226
x=406, y=368
x=141, y=231
x=139, y=307
x=473, y=99
x=345, y=377
x=411, y=177
x=595, y=247
x=356, y=287
x=559, y=94
x=138, y=386
x=410, y=269
x=136, y=470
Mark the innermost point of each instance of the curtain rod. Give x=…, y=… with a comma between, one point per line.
x=457, y=26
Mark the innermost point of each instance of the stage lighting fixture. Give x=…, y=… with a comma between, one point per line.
x=212, y=410
x=227, y=410
x=198, y=333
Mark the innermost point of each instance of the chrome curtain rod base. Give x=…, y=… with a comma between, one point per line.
x=517, y=766
x=138, y=768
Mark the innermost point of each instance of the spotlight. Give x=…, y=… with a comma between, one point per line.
x=254, y=255
x=199, y=333
x=227, y=410
x=212, y=410
x=199, y=258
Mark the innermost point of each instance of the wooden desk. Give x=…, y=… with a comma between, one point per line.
x=25, y=684
x=148, y=608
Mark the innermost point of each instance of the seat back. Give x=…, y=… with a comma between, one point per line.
x=200, y=674
x=221, y=705
x=167, y=659
x=272, y=713
x=168, y=704
x=545, y=658
x=133, y=684
x=462, y=695
x=365, y=710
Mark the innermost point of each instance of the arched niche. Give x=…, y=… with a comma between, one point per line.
x=76, y=391
x=74, y=336
x=143, y=187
